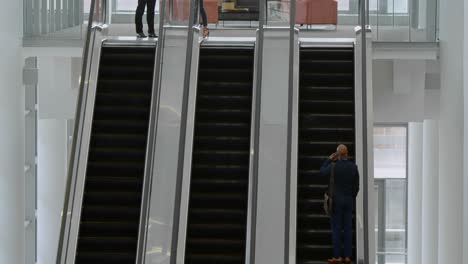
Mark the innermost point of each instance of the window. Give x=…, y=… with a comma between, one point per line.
x=87, y=6
x=390, y=173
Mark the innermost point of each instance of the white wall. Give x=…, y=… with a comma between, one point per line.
x=451, y=133
x=52, y=167
x=57, y=94
x=403, y=101
x=11, y=134
x=58, y=87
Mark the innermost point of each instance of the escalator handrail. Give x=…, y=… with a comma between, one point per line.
x=97, y=21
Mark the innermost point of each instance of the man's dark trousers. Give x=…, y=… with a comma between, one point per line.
x=150, y=7
x=342, y=220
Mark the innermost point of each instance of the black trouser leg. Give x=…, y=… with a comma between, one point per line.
x=203, y=14
x=150, y=15
x=139, y=15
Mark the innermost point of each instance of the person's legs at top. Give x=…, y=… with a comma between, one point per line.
x=150, y=17
x=337, y=228
x=139, y=17
x=204, y=21
x=348, y=207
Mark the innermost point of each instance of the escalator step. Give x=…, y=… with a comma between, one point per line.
x=326, y=119
x=110, y=214
x=217, y=221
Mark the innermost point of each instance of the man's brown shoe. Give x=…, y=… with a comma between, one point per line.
x=335, y=260
x=347, y=260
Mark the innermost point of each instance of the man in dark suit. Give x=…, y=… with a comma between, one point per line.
x=150, y=7
x=346, y=188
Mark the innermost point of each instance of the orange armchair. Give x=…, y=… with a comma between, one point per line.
x=211, y=8
x=311, y=12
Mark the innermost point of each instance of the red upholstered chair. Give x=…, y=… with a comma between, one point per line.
x=313, y=12
x=211, y=8
x=180, y=10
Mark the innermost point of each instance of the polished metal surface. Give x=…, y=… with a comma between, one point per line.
x=76, y=194
x=251, y=196
x=327, y=42
x=364, y=148
x=30, y=80
x=188, y=147
x=130, y=42
x=364, y=23
x=229, y=42
x=177, y=251
x=151, y=147
x=163, y=207
x=76, y=172
x=272, y=178
x=293, y=134
x=291, y=181
x=149, y=165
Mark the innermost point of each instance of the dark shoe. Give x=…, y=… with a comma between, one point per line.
x=152, y=35
x=347, y=260
x=141, y=35
x=335, y=260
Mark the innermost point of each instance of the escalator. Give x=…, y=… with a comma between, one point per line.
x=217, y=220
x=110, y=216
x=326, y=119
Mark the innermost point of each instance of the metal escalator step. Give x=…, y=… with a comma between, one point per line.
x=220, y=158
x=101, y=257
x=100, y=213
x=326, y=119
x=110, y=213
x=215, y=258
x=108, y=228
x=226, y=143
x=131, y=99
x=107, y=197
x=124, y=87
x=117, y=154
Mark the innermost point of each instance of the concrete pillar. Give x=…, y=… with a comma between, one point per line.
x=11, y=135
x=430, y=156
x=52, y=167
x=415, y=183
x=273, y=141
x=451, y=133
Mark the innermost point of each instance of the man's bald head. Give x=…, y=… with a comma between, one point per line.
x=342, y=150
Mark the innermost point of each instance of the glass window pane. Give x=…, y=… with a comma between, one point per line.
x=87, y=6
x=343, y=5
x=389, y=152
x=390, y=160
x=397, y=6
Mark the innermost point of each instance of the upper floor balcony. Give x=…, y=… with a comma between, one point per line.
x=64, y=21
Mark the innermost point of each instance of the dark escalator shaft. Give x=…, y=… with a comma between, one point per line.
x=114, y=178
x=216, y=231
x=326, y=119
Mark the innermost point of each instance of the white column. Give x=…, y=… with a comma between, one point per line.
x=11, y=135
x=415, y=183
x=451, y=133
x=430, y=155
x=273, y=141
x=52, y=167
